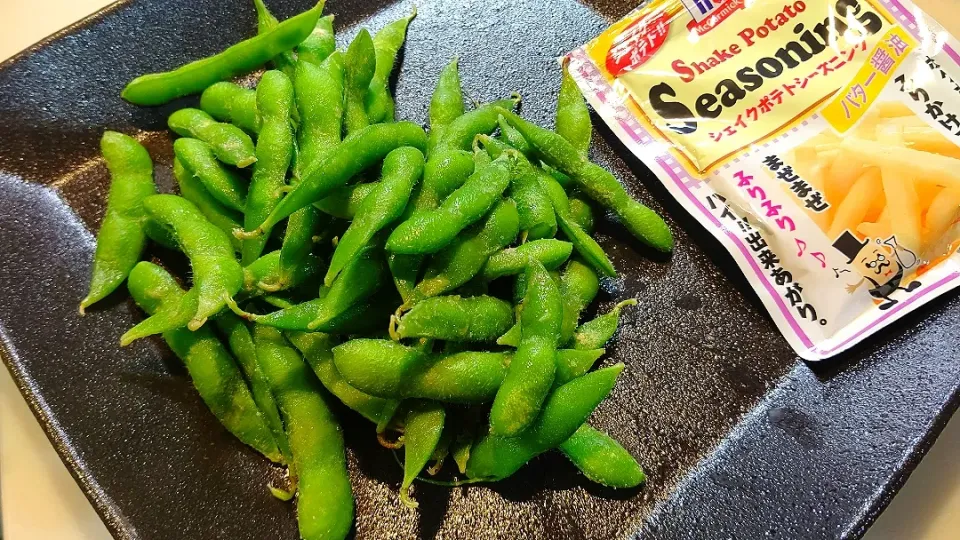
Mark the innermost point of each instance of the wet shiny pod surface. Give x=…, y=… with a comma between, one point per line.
x=738, y=437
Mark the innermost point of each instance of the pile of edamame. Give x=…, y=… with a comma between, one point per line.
x=434, y=284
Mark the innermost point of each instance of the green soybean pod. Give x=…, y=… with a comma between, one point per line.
x=243, y=57
x=586, y=246
x=274, y=155
x=602, y=459
x=317, y=349
x=216, y=273
x=579, y=285
x=573, y=118
x=465, y=257
x=360, y=62
x=325, y=499
x=573, y=363
x=229, y=143
x=168, y=316
x=402, y=169
x=318, y=91
x=363, y=316
x=387, y=42
x=580, y=213
x=229, y=102
x=122, y=236
x=452, y=318
x=550, y=252
x=388, y=369
x=193, y=190
x=564, y=411
x=240, y=342
x=430, y=231
x=356, y=153
x=345, y=201
x=537, y=216
x=531, y=373
x=422, y=429
x=513, y=138
x=214, y=372
x=223, y=184
x=596, y=182
x=320, y=44
x=443, y=174
x=284, y=61
x=459, y=134
x=596, y=333
x=446, y=103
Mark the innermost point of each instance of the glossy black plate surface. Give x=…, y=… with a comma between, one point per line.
x=740, y=438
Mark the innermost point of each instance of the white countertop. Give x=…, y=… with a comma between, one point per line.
x=40, y=499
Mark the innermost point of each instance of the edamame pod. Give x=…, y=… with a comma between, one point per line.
x=263, y=274
x=320, y=44
x=402, y=169
x=246, y=56
x=223, y=184
x=573, y=118
x=388, y=369
x=122, y=236
x=452, y=318
x=596, y=333
x=274, y=154
x=511, y=261
x=193, y=190
x=325, y=499
x=216, y=273
x=531, y=373
x=537, y=217
x=564, y=411
x=168, y=316
x=586, y=246
x=602, y=459
x=459, y=134
x=357, y=152
x=431, y=231
x=387, y=42
x=446, y=103
x=284, y=61
x=465, y=257
x=596, y=182
x=579, y=285
x=229, y=102
x=422, y=429
x=214, y=373
x=360, y=61
x=229, y=143
x=345, y=201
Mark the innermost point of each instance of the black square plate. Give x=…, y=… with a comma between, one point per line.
x=739, y=437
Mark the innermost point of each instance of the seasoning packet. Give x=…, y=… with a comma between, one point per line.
x=819, y=142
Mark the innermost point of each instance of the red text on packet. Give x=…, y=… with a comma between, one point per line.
x=637, y=43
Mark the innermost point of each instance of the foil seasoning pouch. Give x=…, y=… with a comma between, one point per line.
x=818, y=141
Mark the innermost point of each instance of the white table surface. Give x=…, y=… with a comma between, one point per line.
x=41, y=501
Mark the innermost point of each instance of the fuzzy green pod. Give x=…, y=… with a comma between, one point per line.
x=537, y=216
x=452, y=318
x=193, y=190
x=586, y=246
x=266, y=21
x=573, y=118
x=229, y=143
x=579, y=285
x=422, y=430
x=229, y=102
x=551, y=253
x=216, y=273
x=345, y=201
x=387, y=42
x=446, y=103
x=602, y=459
x=460, y=133
x=222, y=183
x=274, y=155
x=122, y=236
x=430, y=231
x=243, y=57
x=360, y=61
x=596, y=333
x=465, y=257
x=563, y=412
x=402, y=169
x=390, y=370
x=320, y=44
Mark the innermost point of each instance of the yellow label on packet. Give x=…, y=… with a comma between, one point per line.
x=712, y=87
x=854, y=99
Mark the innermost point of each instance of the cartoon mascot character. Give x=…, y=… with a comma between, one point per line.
x=880, y=264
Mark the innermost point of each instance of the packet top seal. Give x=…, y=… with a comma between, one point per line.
x=819, y=142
